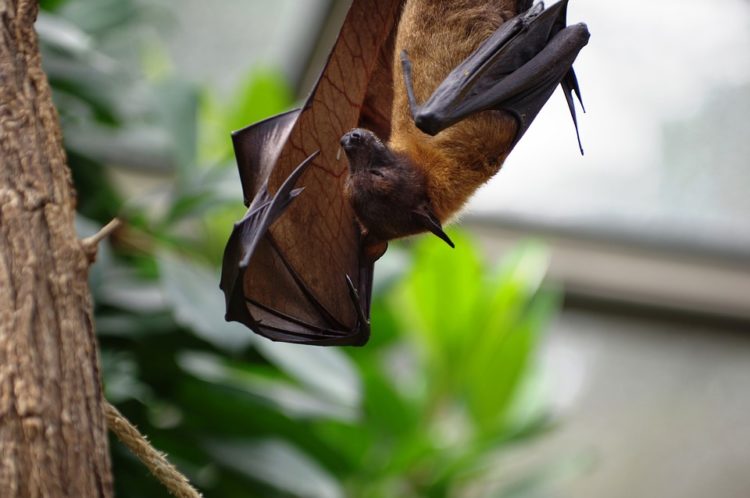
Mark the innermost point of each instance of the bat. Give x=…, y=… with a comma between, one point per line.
x=483, y=72
x=298, y=266
x=295, y=267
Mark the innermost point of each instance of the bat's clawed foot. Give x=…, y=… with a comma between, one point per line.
x=515, y=70
x=357, y=302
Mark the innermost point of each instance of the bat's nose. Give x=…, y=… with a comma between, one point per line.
x=351, y=139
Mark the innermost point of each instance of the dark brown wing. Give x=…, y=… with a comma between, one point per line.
x=294, y=268
x=514, y=70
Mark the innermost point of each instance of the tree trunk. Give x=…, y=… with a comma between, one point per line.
x=53, y=440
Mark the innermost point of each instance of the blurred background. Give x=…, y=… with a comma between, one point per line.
x=590, y=336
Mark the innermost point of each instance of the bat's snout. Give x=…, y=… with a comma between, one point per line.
x=353, y=139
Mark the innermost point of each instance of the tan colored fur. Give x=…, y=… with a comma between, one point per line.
x=438, y=35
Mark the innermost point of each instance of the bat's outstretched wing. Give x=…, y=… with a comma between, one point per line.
x=515, y=70
x=294, y=268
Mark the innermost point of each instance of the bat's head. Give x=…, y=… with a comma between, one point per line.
x=387, y=191
x=374, y=167
x=366, y=151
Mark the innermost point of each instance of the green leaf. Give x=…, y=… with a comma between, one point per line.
x=198, y=304
x=121, y=373
x=63, y=35
x=326, y=370
x=130, y=293
x=134, y=325
x=98, y=17
x=538, y=481
x=177, y=107
x=438, y=299
x=509, y=335
x=139, y=148
x=277, y=464
x=281, y=395
x=263, y=93
x=206, y=190
x=97, y=198
x=51, y=5
x=89, y=84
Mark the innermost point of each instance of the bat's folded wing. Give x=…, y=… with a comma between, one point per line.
x=284, y=307
x=257, y=148
x=294, y=268
x=514, y=70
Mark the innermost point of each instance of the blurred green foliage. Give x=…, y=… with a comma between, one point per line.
x=420, y=412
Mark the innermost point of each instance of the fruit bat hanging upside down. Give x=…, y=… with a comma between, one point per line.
x=484, y=73
x=427, y=98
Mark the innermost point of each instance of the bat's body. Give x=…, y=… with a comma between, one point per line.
x=438, y=36
x=298, y=267
x=422, y=177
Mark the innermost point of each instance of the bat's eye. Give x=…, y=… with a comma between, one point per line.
x=376, y=173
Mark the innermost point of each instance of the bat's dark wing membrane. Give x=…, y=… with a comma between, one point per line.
x=257, y=147
x=294, y=268
x=515, y=70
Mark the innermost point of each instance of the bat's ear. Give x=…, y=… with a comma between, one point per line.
x=432, y=223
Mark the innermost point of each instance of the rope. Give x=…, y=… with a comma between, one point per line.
x=156, y=462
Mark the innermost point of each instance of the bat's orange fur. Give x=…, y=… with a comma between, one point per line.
x=438, y=35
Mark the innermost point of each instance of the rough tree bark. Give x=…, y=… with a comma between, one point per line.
x=53, y=440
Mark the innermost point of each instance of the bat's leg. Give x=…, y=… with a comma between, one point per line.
x=515, y=70
x=408, y=82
